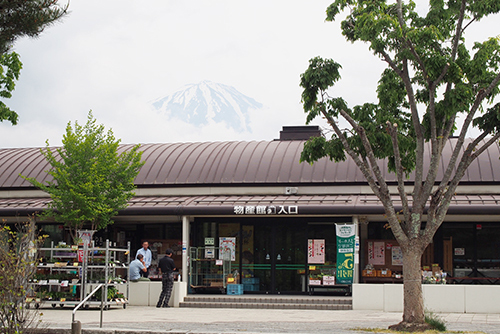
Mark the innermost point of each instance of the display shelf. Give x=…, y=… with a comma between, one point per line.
x=62, y=270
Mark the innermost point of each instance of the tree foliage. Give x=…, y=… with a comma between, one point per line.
x=20, y=18
x=10, y=67
x=432, y=78
x=91, y=179
x=17, y=266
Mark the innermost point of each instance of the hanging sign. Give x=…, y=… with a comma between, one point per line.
x=345, y=252
x=85, y=237
x=227, y=247
x=316, y=251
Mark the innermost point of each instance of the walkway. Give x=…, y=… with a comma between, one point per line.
x=248, y=321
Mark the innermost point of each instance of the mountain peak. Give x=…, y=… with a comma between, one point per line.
x=209, y=102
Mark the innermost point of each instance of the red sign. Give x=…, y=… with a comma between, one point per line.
x=80, y=255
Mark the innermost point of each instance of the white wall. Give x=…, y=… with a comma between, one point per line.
x=452, y=298
x=147, y=293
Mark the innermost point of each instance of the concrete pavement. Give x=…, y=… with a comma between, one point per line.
x=210, y=321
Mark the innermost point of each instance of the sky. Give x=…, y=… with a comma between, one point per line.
x=116, y=57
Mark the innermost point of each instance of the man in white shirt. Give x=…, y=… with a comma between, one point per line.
x=146, y=253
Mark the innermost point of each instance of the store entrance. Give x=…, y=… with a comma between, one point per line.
x=275, y=259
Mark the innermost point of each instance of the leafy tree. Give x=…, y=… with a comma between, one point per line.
x=20, y=18
x=91, y=180
x=10, y=67
x=17, y=266
x=431, y=79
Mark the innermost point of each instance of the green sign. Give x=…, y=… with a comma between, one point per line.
x=345, y=252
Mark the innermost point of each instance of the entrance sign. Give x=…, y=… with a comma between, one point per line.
x=316, y=251
x=345, y=252
x=266, y=210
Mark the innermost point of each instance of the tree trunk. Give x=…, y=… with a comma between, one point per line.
x=412, y=278
x=413, y=308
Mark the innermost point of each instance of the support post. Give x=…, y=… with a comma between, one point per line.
x=76, y=327
x=356, y=271
x=185, y=248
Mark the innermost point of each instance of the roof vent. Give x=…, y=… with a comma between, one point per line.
x=303, y=132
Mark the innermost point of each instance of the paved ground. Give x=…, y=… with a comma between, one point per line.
x=210, y=321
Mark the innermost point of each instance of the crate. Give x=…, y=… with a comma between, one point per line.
x=251, y=280
x=385, y=273
x=234, y=289
x=369, y=273
x=250, y=287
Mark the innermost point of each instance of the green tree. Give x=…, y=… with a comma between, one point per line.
x=17, y=266
x=20, y=18
x=10, y=67
x=91, y=180
x=431, y=79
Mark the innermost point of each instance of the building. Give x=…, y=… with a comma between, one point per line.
x=192, y=194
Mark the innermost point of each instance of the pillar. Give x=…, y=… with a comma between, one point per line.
x=185, y=248
x=355, y=273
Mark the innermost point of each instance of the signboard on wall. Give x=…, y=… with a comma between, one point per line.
x=345, y=252
x=397, y=256
x=376, y=253
x=316, y=251
x=227, y=245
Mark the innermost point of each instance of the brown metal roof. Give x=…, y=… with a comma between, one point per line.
x=233, y=163
x=292, y=205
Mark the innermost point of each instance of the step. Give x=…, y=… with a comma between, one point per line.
x=276, y=306
x=267, y=302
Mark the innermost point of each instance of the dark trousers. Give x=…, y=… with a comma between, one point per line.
x=167, y=283
x=144, y=273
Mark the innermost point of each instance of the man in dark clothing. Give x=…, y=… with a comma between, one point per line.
x=167, y=267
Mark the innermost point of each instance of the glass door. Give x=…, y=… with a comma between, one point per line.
x=256, y=261
x=290, y=255
x=274, y=258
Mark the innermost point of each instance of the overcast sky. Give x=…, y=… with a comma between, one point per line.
x=117, y=56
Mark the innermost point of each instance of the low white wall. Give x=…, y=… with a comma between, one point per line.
x=452, y=298
x=368, y=296
x=147, y=293
x=480, y=299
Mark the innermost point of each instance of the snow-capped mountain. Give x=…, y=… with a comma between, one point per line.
x=206, y=102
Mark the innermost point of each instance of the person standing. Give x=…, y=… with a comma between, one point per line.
x=146, y=253
x=167, y=268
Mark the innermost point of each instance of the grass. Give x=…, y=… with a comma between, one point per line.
x=435, y=321
x=385, y=330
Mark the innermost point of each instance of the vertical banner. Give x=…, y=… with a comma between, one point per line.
x=345, y=252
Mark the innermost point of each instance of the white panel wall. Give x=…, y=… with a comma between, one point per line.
x=482, y=299
x=444, y=298
x=147, y=293
x=453, y=298
x=372, y=296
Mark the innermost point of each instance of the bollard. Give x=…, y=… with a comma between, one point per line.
x=76, y=327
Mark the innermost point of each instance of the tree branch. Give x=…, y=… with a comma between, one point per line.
x=399, y=170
